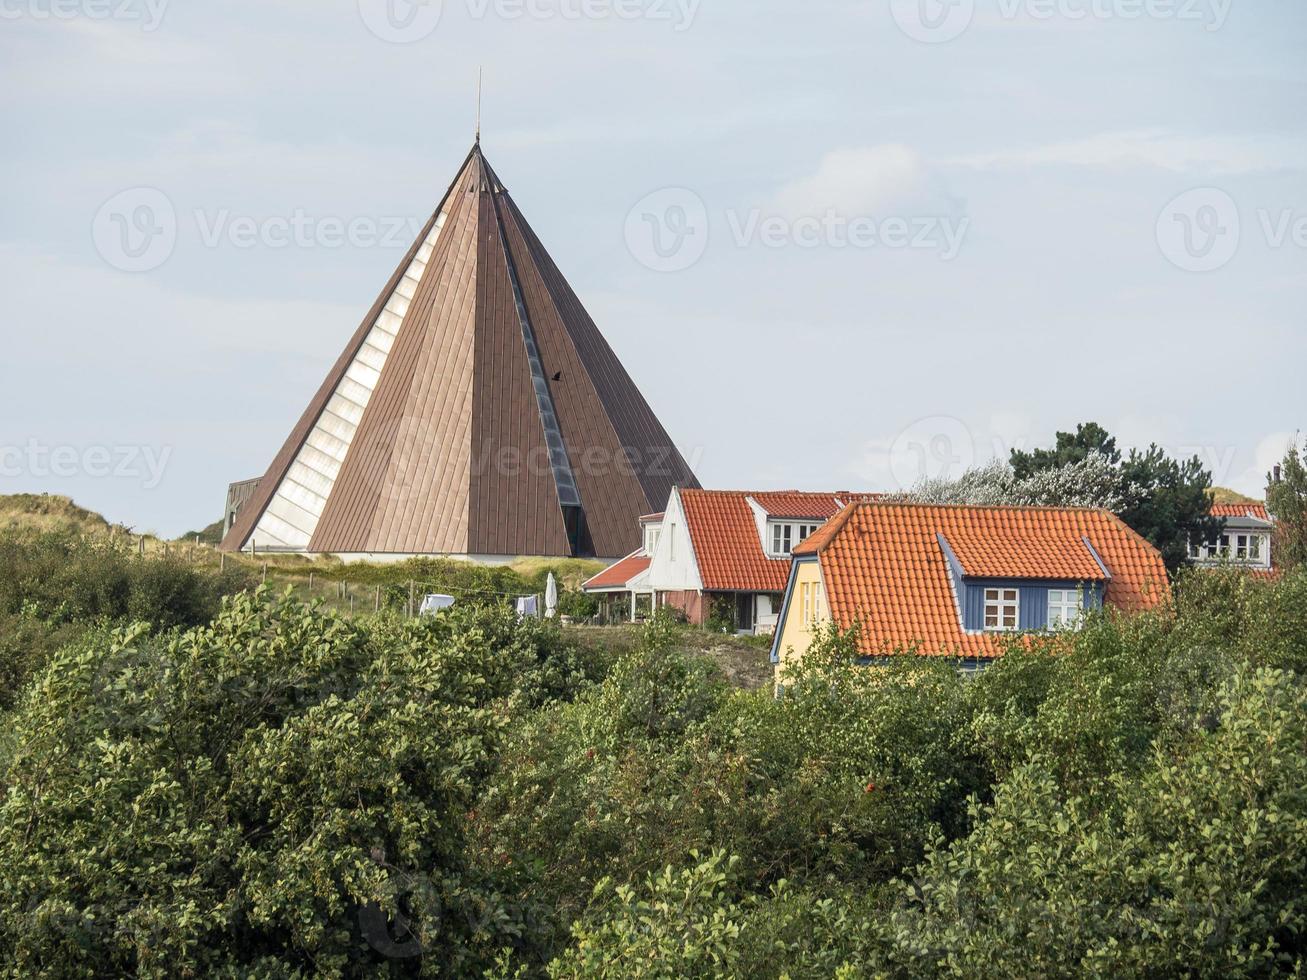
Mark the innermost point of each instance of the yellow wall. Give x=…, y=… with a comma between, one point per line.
x=796, y=635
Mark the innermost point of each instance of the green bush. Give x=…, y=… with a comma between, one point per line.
x=284, y=790
x=1192, y=866
x=55, y=585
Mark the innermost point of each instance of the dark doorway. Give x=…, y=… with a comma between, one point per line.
x=744, y=611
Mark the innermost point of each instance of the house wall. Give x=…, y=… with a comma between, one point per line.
x=693, y=604
x=793, y=637
x=1033, y=611
x=674, y=567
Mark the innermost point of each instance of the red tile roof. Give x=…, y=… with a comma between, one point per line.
x=725, y=534
x=1257, y=511
x=793, y=504
x=616, y=576
x=884, y=567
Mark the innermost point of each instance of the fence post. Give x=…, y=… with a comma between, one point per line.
x=222, y=561
x=378, y=602
x=412, y=593
x=310, y=583
x=265, y=573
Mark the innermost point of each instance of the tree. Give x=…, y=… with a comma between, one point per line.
x=1089, y=438
x=1286, y=500
x=1094, y=481
x=1171, y=505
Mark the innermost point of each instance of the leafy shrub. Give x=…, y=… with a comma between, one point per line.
x=695, y=922
x=1193, y=866
x=55, y=585
x=284, y=790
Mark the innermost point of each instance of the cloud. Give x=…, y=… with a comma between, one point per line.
x=1270, y=450
x=1159, y=149
x=868, y=180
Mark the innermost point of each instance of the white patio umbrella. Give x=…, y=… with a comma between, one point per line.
x=551, y=597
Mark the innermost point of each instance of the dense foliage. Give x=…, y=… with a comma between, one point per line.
x=56, y=584
x=289, y=792
x=1286, y=499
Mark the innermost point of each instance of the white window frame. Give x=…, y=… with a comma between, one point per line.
x=1001, y=600
x=1246, y=547
x=782, y=538
x=785, y=536
x=1064, y=600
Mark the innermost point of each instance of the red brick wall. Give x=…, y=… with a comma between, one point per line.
x=693, y=604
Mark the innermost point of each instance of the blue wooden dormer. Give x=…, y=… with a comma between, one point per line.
x=999, y=605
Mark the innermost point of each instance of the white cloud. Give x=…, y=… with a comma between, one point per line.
x=1269, y=451
x=1149, y=148
x=863, y=181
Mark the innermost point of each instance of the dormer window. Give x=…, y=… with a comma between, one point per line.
x=784, y=537
x=1249, y=547
x=1002, y=610
x=1065, y=609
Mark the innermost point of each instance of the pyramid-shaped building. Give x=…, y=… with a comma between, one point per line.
x=476, y=412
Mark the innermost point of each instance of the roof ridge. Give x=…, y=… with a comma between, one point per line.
x=752, y=493
x=1019, y=507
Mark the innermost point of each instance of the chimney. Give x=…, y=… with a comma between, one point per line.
x=1275, y=473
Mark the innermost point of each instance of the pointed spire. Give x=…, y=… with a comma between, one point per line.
x=478, y=139
x=400, y=451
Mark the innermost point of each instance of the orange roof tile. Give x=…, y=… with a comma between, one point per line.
x=1257, y=511
x=617, y=575
x=884, y=567
x=795, y=504
x=724, y=533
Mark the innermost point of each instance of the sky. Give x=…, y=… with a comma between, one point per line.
x=838, y=245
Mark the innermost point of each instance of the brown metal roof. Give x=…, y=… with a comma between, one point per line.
x=451, y=454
